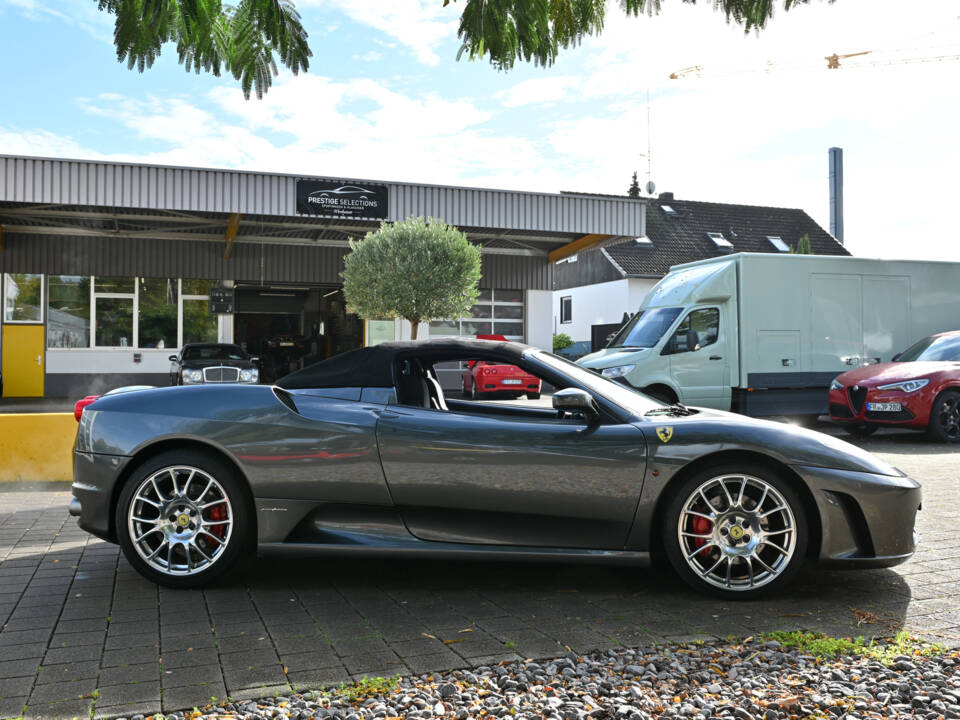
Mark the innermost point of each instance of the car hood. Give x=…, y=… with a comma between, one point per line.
x=884, y=373
x=612, y=357
x=710, y=431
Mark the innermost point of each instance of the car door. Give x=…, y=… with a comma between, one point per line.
x=522, y=479
x=698, y=359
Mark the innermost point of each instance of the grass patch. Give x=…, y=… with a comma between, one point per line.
x=826, y=647
x=366, y=687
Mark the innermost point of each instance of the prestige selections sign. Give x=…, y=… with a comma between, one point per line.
x=362, y=202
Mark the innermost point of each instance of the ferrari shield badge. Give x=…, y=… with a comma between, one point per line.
x=665, y=433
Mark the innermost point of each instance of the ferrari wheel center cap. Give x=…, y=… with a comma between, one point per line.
x=183, y=520
x=736, y=532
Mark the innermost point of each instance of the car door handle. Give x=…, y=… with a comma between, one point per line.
x=716, y=357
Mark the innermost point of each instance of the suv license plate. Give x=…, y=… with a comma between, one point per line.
x=884, y=407
x=513, y=382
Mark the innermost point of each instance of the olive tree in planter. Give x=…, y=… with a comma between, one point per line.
x=415, y=269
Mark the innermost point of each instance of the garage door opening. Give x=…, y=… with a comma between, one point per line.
x=291, y=327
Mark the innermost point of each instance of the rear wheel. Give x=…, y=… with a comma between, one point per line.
x=945, y=417
x=735, y=530
x=183, y=518
x=860, y=429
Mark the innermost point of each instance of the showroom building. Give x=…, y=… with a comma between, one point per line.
x=108, y=268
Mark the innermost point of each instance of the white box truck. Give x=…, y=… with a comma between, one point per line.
x=764, y=334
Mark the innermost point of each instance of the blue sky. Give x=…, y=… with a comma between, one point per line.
x=385, y=98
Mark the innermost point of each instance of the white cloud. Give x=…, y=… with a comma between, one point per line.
x=419, y=25
x=86, y=16
x=548, y=89
x=369, y=56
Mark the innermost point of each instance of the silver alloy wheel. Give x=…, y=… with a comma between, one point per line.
x=737, y=532
x=180, y=520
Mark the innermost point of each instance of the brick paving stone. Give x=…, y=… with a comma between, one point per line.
x=190, y=658
x=129, y=693
x=19, y=668
x=142, y=672
x=190, y=676
x=77, y=708
x=86, y=670
x=12, y=706
x=191, y=696
x=238, y=678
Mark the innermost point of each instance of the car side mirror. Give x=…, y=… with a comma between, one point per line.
x=575, y=400
x=896, y=357
x=172, y=358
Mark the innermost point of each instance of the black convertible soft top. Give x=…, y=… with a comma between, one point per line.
x=373, y=366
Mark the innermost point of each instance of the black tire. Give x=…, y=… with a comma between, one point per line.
x=473, y=392
x=860, y=429
x=683, y=493
x=239, y=509
x=944, y=423
x=533, y=396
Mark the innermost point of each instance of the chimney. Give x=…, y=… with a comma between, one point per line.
x=665, y=197
x=836, y=193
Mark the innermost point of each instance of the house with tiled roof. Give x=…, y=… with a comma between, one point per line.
x=595, y=290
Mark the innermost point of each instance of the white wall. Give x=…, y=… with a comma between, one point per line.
x=592, y=305
x=599, y=304
x=539, y=318
x=108, y=360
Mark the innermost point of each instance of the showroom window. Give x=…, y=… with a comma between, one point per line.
x=22, y=298
x=142, y=313
x=114, y=301
x=566, y=309
x=496, y=312
x=199, y=324
x=68, y=311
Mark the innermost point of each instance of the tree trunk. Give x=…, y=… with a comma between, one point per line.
x=414, y=326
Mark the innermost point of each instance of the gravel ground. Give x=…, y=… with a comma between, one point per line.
x=751, y=680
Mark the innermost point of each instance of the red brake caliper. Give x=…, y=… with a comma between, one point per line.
x=219, y=512
x=701, y=526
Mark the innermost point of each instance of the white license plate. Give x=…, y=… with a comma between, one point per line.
x=513, y=382
x=884, y=407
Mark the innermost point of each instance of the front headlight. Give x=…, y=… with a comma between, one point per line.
x=618, y=371
x=250, y=376
x=906, y=385
x=192, y=376
x=836, y=385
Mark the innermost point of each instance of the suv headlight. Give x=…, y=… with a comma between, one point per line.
x=192, y=376
x=618, y=371
x=906, y=385
x=250, y=375
x=836, y=384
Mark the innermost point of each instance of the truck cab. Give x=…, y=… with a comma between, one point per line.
x=682, y=344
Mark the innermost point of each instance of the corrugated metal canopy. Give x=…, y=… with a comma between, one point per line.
x=117, y=187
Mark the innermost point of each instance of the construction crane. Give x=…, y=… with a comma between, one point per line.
x=942, y=53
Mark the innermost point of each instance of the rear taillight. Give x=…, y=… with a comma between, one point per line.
x=81, y=404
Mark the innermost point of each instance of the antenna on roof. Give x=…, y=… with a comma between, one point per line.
x=651, y=187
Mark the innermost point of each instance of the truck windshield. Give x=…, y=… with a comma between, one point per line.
x=944, y=347
x=646, y=328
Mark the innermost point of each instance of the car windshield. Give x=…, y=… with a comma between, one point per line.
x=622, y=395
x=933, y=348
x=214, y=352
x=646, y=328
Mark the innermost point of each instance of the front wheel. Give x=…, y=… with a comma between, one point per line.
x=736, y=531
x=183, y=518
x=945, y=417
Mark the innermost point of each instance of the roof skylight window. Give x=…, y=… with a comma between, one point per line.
x=668, y=210
x=778, y=243
x=720, y=241
x=643, y=240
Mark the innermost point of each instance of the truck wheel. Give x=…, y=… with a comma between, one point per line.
x=860, y=429
x=736, y=530
x=661, y=393
x=945, y=417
